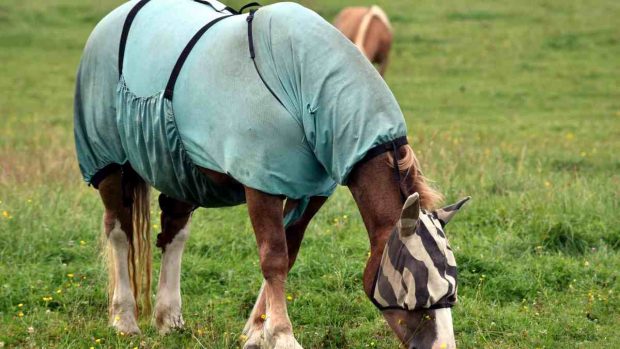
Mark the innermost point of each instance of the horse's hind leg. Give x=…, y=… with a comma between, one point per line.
x=175, y=219
x=118, y=228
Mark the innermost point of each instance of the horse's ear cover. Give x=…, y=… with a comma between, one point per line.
x=409, y=215
x=445, y=214
x=418, y=269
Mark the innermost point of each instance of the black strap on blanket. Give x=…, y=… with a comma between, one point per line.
x=176, y=70
x=228, y=8
x=169, y=92
x=250, y=19
x=248, y=5
x=130, y=17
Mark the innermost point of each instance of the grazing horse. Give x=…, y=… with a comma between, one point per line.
x=273, y=108
x=370, y=30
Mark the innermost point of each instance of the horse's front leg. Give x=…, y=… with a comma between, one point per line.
x=175, y=218
x=266, y=215
x=294, y=235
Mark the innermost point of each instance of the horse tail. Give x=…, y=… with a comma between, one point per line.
x=139, y=258
x=362, y=32
x=429, y=196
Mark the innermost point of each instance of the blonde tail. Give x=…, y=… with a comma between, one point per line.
x=139, y=257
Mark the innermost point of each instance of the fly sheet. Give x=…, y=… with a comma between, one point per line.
x=183, y=91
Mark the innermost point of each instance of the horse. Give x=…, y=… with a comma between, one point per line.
x=370, y=30
x=215, y=107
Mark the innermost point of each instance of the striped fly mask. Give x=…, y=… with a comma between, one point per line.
x=418, y=269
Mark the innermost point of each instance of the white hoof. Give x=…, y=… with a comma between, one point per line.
x=168, y=319
x=125, y=323
x=285, y=341
x=255, y=340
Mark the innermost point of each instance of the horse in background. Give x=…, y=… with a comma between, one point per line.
x=370, y=30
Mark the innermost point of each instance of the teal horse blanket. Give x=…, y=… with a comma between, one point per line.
x=294, y=125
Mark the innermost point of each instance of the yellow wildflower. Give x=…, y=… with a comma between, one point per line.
x=58, y=291
x=289, y=298
x=243, y=338
x=82, y=242
x=547, y=184
x=20, y=314
x=70, y=275
x=569, y=136
x=5, y=214
x=117, y=318
x=98, y=340
x=155, y=226
x=263, y=316
x=20, y=305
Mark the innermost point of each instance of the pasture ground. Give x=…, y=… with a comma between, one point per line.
x=516, y=103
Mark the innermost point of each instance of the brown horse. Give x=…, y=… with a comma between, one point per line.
x=336, y=138
x=370, y=30
x=377, y=195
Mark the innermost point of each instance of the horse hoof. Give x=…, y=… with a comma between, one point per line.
x=125, y=324
x=167, y=320
x=255, y=340
x=286, y=342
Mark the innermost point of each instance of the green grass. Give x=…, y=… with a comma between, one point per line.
x=514, y=103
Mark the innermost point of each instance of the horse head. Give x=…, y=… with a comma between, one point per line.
x=416, y=283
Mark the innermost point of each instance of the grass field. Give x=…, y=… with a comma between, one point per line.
x=516, y=103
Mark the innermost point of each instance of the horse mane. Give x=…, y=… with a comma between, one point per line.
x=374, y=11
x=429, y=196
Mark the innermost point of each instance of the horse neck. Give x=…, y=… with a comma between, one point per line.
x=378, y=199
